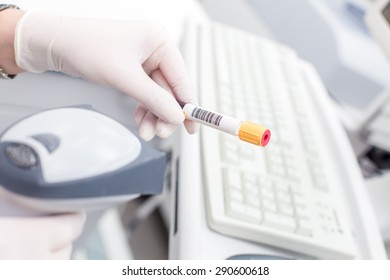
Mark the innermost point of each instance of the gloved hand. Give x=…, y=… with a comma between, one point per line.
x=47, y=237
x=125, y=55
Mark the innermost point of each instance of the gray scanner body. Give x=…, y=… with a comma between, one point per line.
x=26, y=157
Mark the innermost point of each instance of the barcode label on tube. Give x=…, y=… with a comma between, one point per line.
x=207, y=116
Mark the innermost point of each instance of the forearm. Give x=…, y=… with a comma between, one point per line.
x=8, y=21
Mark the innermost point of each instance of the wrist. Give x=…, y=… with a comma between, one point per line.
x=35, y=36
x=8, y=22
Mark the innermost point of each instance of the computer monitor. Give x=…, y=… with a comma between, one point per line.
x=378, y=21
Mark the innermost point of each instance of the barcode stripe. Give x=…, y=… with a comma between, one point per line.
x=207, y=116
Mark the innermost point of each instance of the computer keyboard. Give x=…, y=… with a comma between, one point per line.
x=286, y=194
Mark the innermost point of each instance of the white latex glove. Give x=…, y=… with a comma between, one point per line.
x=47, y=237
x=120, y=54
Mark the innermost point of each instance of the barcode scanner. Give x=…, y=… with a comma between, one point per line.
x=75, y=158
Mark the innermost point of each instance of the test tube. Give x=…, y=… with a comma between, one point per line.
x=245, y=130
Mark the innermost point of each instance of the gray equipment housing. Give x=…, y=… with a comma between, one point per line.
x=144, y=175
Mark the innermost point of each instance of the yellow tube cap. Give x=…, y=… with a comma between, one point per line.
x=254, y=133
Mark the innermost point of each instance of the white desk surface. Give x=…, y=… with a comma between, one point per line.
x=193, y=239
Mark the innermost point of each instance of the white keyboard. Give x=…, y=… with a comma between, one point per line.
x=286, y=194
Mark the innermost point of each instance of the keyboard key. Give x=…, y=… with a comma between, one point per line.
x=247, y=153
x=269, y=205
x=281, y=186
x=301, y=212
x=250, y=178
x=286, y=209
x=236, y=209
x=232, y=178
x=278, y=170
x=275, y=160
x=267, y=193
x=320, y=183
x=234, y=194
x=230, y=156
x=304, y=228
x=284, y=197
x=251, y=188
x=280, y=222
x=292, y=173
x=243, y=212
x=253, y=200
x=265, y=182
x=299, y=199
